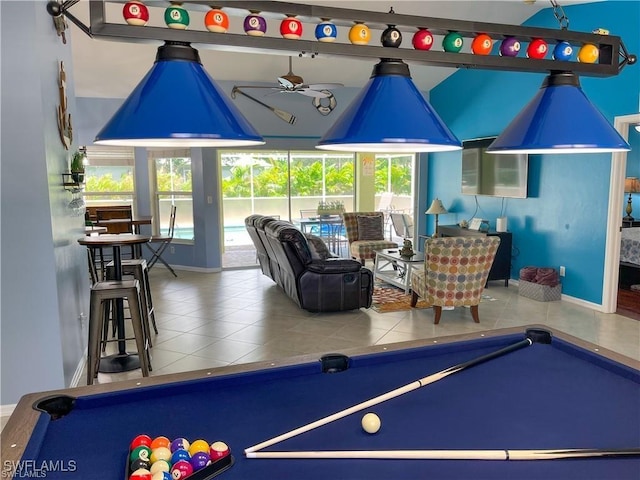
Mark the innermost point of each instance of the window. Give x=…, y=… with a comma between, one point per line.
x=394, y=174
x=110, y=176
x=171, y=182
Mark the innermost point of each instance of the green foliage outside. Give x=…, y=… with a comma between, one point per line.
x=270, y=178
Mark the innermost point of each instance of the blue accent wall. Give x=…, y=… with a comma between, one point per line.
x=563, y=221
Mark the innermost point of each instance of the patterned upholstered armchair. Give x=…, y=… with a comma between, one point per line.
x=455, y=273
x=365, y=232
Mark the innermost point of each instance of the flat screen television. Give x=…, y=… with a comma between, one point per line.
x=494, y=175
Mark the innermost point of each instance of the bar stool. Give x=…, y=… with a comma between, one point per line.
x=102, y=292
x=137, y=268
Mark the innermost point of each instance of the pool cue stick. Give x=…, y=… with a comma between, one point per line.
x=451, y=454
x=392, y=394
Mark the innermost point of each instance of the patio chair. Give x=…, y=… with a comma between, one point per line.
x=162, y=242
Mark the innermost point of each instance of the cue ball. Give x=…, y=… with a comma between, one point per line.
x=371, y=423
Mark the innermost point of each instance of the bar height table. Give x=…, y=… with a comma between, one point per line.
x=121, y=361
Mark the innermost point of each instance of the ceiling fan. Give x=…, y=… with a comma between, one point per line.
x=292, y=83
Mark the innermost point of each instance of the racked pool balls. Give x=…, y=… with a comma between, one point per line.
x=143, y=452
x=218, y=450
x=510, y=47
x=180, y=455
x=160, y=442
x=563, y=51
x=482, y=44
x=452, y=42
x=140, y=440
x=537, y=49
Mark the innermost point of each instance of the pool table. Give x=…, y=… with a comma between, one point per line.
x=563, y=394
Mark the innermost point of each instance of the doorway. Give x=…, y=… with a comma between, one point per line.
x=616, y=194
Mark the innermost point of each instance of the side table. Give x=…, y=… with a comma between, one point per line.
x=395, y=269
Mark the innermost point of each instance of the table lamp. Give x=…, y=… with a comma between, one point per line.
x=631, y=185
x=436, y=209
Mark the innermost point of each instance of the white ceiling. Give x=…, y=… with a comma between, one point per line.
x=112, y=69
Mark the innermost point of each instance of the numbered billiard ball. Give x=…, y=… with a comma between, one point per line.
x=481, y=44
x=326, y=32
x=359, y=34
x=537, y=49
x=181, y=469
x=140, y=440
x=199, y=446
x=422, y=39
x=160, y=453
x=180, y=455
x=588, y=53
x=160, y=466
x=452, y=42
x=139, y=463
x=176, y=17
x=218, y=450
x=291, y=28
x=562, y=51
x=255, y=25
x=510, y=47
x=216, y=21
x=141, y=474
x=143, y=452
x=391, y=37
x=135, y=13
x=200, y=460
x=179, y=444
x=160, y=442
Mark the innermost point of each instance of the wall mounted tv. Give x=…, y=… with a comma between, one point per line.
x=494, y=175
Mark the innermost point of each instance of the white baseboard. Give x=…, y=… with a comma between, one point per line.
x=567, y=298
x=75, y=380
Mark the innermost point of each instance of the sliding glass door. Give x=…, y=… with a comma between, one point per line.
x=283, y=184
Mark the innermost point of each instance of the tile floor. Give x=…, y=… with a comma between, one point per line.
x=239, y=316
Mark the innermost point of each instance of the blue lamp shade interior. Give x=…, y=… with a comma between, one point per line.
x=559, y=119
x=178, y=104
x=389, y=115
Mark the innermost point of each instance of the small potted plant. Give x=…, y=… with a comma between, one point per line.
x=77, y=166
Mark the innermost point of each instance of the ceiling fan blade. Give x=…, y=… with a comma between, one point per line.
x=313, y=93
x=323, y=86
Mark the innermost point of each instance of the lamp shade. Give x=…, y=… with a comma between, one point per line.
x=178, y=104
x=559, y=119
x=389, y=115
x=436, y=208
x=631, y=185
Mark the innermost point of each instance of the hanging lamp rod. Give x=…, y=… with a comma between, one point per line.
x=613, y=55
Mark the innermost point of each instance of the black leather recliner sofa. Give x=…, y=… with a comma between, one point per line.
x=306, y=271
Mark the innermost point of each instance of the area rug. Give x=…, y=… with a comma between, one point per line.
x=389, y=298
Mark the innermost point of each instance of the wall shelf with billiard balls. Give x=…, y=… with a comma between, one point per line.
x=606, y=54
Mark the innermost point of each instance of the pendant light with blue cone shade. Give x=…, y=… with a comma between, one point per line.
x=177, y=104
x=389, y=115
x=559, y=119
